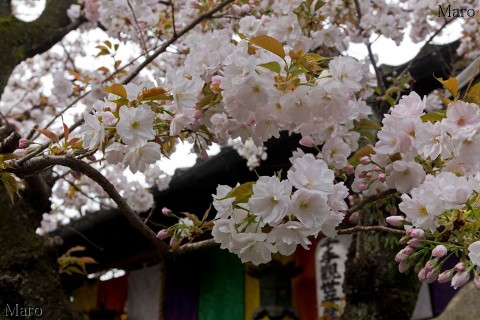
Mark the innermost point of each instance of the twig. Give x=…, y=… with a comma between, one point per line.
x=172, y=6
x=189, y=247
x=417, y=56
x=142, y=40
x=77, y=188
x=369, y=49
x=370, y=199
x=69, y=58
x=165, y=45
x=150, y=214
x=127, y=80
x=370, y=228
x=85, y=238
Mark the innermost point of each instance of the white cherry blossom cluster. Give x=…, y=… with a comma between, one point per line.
x=279, y=214
x=249, y=151
x=429, y=158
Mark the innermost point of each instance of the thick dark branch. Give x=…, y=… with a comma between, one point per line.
x=5, y=8
x=38, y=164
x=22, y=40
x=189, y=247
x=52, y=25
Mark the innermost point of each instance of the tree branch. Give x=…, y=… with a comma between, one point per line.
x=175, y=37
x=370, y=199
x=35, y=165
x=189, y=247
x=23, y=40
x=417, y=56
x=5, y=8
x=369, y=49
x=134, y=73
x=370, y=228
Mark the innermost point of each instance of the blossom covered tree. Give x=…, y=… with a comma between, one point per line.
x=210, y=72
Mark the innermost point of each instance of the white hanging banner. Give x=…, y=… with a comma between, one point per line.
x=330, y=258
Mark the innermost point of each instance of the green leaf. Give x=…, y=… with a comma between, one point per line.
x=473, y=95
x=121, y=101
x=10, y=183
x=363, y=151
x=117, y=89
x=270, y=44
x=242, y=193
x=71, y=270
x=434, y=116
x=297, y=69
x=159, y=97
x=318, y=5
x=273, y=65
x=367, y=134
x=7, y=156
x=451, y=85
x=49, y=134
x=368, y=124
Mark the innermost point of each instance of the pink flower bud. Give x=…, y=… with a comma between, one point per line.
x=354, y=217
x=460, y=279
x=432, y=276
x=422, y=274
x=460, y=267
x=403, y=266
x=381, y=177
x=245, y=8
x=417, y=233
x=445, y=276
x=362, y=187
x=415, y=242
x=439, y=251
x=369, y=175
x=23, y=143
x=395, y=220
x=365, y=160
x=163, y=234
x=409, y=250
x=307, y=141
x=377, y=169
x=431, y=264
x=350, y=169
x=236, y=9
x=362, y=174
x=401, y=256
x=403, y=240
x=166, y=212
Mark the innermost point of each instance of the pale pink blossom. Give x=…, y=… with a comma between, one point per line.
x=270, y=199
